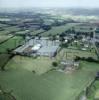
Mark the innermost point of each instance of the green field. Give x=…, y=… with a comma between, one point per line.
x=94, y=91
x=12, y=28
x=21, y=32
x=32, y=64
x=4, y=59
x=72, y=53
x=32, y=78
x=58, y=29
x=4, y=37
x=37, y=32
x=3, y=25
x=9, y=29
x=83, y=28
x=10, y=44
x=53, y=85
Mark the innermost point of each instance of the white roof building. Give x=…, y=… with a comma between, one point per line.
x=36, y=47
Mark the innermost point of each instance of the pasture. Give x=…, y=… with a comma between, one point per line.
x=72, y=53
x=39, y=65
x=53, y=85
x=10, y=44
x=58, y=29
x=9, y=30
x=36, y=32
x=4, y=37
x=94, y=91
x=4, y=59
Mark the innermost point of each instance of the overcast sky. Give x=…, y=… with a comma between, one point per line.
x=49, y=3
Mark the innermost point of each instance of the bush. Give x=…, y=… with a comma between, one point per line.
x=34, y=71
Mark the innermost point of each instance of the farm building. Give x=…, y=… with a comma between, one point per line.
x=36, y=47
x=41, y=47
x=69, y=65
x=48, y=51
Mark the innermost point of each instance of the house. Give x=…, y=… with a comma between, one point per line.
x=84, y=49
x=69, y=65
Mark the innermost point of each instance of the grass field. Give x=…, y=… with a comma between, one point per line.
x=4, y=32
x=94, y=91
x=53, y=85
x=10, y=44
x=4, y=59
x=72, y=53
x=40, y=65
x=37, y=32
x=9, y=29
x=4, y=37
x=12, y=28
x=21, y=32
x=3, y=25
x=5, y=97
x=83, y=28
x=58, y=29
x=44, y=84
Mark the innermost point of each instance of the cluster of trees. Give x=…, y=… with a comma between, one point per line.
x=97, y=44
x=89, y=59
x=46, y=27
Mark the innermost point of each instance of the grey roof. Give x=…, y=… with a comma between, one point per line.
x=48, y=47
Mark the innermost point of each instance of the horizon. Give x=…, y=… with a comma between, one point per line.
x=19, y=4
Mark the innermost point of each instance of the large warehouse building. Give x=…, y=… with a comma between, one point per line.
x=41, y=47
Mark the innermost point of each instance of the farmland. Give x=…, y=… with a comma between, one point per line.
x=53, y=85
x=9, y=29
x=35, y=32
x=36, y=51
x=58, y=29
x=40, y=65
x=4, y=37
x=4, y=58
x=11, y=44
x=72, y=53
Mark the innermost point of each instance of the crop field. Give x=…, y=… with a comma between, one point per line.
x=10, y=44
x=58, y=29
x=53, y=85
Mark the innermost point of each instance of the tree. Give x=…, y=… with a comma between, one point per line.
x=73, y=30
x=62, y=39
x=91, y=34
x=55, y=64
x=34, y=71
